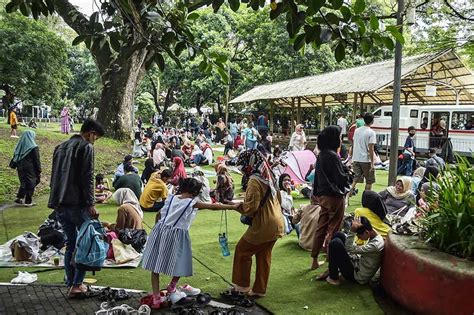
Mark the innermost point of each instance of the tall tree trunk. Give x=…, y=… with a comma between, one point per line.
x=169, y=100
x=155, y=93
x=118, y=95
x=198, y=103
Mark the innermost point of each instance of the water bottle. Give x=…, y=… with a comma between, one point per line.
x=223, y=244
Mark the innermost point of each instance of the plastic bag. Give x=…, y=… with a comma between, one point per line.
x=123, y=253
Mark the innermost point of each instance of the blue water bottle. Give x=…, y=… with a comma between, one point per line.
x=223, y=244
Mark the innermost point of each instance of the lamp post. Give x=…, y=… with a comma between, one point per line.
x=392, y=174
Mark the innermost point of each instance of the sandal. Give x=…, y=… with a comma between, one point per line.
x=203, y=299
x=246, y=303
x=233, y=295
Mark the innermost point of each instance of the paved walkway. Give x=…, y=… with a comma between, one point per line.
x=52, y=299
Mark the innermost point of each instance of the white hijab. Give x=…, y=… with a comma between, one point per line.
x=126, y=195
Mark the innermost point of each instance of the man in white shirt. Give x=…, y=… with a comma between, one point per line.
x=363, y=154
x=342, y=122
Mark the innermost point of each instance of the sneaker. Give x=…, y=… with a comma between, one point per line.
x=189, y=290
x=176, y=296
x=19, y=201
x=28, y=205
x=156, y=301
x=332, y=281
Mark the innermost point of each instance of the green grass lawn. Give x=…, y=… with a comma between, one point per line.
x=291, y=285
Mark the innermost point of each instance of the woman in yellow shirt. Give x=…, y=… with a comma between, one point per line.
x=374, y=210
x=155, y=192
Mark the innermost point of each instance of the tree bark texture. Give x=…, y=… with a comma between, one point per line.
x=118, y=95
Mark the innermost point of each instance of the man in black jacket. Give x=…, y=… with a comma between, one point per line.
x=72, y=193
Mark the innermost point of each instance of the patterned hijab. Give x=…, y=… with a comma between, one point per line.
x=254, y=164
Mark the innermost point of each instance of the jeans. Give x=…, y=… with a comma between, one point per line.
x=406, y=168
x=249, y=144
x=199, y=159
x=71, y=220
x=156, y=206
x=339, y=260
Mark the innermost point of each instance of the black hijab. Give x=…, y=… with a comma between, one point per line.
x=329, y=138
x=372, y=200
x=149, y=169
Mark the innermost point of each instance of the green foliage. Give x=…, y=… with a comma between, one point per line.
x=84, y=89
x=33, y=59
x=450, y=224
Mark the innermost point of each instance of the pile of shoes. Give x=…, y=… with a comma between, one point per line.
x=110, y=309
x=184, y=297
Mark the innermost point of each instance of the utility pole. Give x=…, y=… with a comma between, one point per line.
x=392, y=174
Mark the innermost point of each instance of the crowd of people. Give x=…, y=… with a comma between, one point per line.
x=176, y=194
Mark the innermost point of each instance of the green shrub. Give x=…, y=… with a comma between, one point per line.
x=449, y=226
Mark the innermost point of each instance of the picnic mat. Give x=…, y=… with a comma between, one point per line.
x=46, y=259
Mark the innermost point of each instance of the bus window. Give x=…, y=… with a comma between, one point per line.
x=387, y=113
x=462, y=121
x=378, y=113
x=424, y=120
x=414, y=113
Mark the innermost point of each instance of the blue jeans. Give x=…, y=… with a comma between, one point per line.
x=406, y=168
x=199, y=158
x=71, y=220
x=249, y=144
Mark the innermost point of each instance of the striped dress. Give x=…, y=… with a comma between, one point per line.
x=168, y=248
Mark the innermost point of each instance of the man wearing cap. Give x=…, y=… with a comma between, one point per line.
x=120, y=169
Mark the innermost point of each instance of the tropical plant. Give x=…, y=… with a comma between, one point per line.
x=450, y=224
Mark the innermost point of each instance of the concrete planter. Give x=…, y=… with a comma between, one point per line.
x=425, y=280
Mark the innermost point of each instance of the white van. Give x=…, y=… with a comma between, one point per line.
x=433, y=123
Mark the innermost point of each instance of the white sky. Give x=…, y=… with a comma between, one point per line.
x=86, y=6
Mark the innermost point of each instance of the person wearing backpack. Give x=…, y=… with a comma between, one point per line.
x=72, y=194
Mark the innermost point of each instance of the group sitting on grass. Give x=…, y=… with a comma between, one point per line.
x=167, y=189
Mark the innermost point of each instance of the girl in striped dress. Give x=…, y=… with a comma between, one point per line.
x=168, y=249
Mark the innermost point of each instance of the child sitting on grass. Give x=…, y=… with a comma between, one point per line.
x=102, y=189
x=168, y=249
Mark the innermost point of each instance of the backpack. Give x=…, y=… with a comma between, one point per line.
x=91, y=246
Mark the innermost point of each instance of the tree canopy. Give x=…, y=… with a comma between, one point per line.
x=33, y=60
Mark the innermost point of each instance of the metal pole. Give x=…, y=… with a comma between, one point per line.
x=392, y=174
x=272, y=105
x=323, y=105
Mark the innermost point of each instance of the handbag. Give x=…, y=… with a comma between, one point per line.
x=248, y=220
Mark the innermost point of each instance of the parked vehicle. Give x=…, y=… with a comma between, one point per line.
x=434, y=125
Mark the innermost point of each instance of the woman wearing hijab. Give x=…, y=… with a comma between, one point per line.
x=178, y=171
x=129, y=214
x=27, y=159
x=149, y=169
x=298, y=139
x=262, y=204
x=399, y=196
x=430, y=174
x=374, y=209
x=65, y=125
x=159, y=155
x=331, y=184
